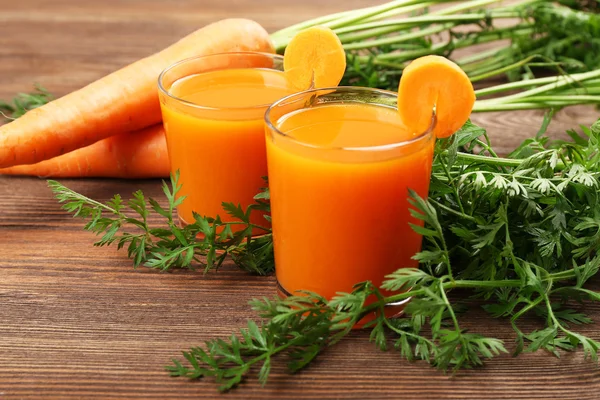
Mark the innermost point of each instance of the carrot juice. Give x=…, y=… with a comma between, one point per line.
x=340, y=166
x=213, y=110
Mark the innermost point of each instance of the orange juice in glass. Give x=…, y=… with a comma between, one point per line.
x=341, y=164
x=213, y=108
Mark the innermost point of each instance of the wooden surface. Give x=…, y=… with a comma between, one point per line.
x=80, y=322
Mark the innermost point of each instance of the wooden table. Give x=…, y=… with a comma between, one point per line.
x=79, y=322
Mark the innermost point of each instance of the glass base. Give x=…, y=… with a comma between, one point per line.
x=391, y=310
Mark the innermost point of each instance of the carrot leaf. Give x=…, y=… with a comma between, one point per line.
x=170, y=246
x=519, y=234
x=24, y=102
x=522, y=235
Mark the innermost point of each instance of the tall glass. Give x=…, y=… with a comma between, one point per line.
x=341, y=164
x=213, y=108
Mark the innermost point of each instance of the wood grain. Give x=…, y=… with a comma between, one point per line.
x=78, y=322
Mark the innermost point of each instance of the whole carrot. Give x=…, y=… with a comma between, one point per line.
x=139, y=154
x=126, y=100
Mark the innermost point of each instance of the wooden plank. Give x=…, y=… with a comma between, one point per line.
x=78, y=321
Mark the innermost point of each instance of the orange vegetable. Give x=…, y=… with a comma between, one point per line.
x=314, y=58
x=126, y=100
x=140, y=154
x=434, y=81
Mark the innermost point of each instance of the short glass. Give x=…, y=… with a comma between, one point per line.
x=213, y=108
x=340, y=167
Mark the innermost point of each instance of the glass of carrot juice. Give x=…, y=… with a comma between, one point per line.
x=213, y=108
x=341, y=164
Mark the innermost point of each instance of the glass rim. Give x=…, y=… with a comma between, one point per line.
x=162, y=89
x=390, y=146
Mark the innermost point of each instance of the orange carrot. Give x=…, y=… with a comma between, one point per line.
x=140, y=154
x=124, y=101
x=314, y=58
x=434, y=81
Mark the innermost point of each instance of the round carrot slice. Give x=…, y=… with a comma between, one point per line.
x=435, y=83
x=314, y=58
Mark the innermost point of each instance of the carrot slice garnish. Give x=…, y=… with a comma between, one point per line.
x=314, y=58
x=434, y=82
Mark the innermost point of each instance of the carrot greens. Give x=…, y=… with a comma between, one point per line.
x=24, y=102
x=519, y=234
x=517, y=41
x=207, y=242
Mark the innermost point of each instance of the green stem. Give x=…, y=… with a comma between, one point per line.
x=376, y=11
x=276, y=350
x=588, y=89
x=449, y=307
x=338, y=21
x=375, y=28
x=480, y=106
x=508, y=241
x=524, y=310
x=415, y=10
x=506, y=175
x=452, y=211
x=348, y=22
x=399, y=38
x=560, y=83
x=456, y=9
x=477, y=57
x=292, y=29
x=352, y=33
x=90, y=202
x=249, y=225
x=517, y=85
x=522, y=5
x=571, y=99
x=564, y=275
x=448, y=285
x=553, y=318
x=396, y=66
x=474, y=284
x=452, y=44
x=467, y=5
x=572, y=78
x=502, y=64
x=480, y=67
x=487, y=147
x=535, y=102
x=410, y=334
x=501, y=70
x=500, y=162
x=455, y=189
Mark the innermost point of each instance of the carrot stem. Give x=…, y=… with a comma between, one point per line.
x=478, y=57
x=452, y=44
x=398, y=39
x=491, y=72
x=559, y=83
x=378, y=10
x=522, y=84
x=349, y=33
x=375, y=27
